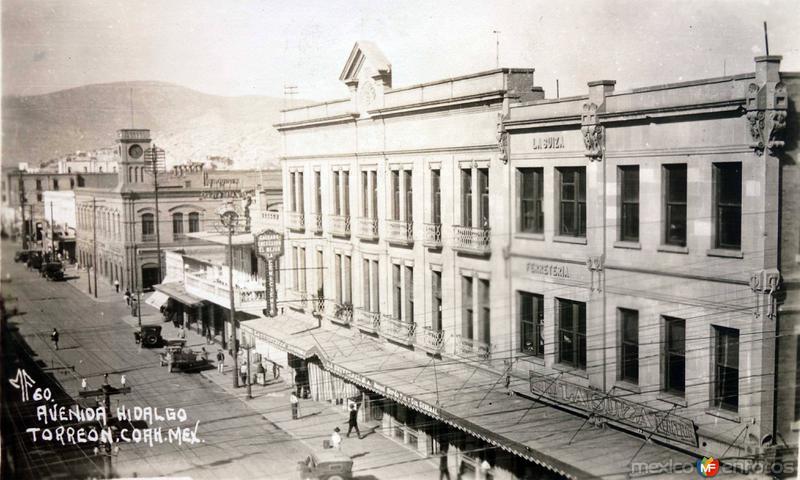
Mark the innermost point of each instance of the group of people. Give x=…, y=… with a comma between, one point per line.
x=352, y=423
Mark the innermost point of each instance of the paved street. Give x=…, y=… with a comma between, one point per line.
x=239, y=443
x=242, y=438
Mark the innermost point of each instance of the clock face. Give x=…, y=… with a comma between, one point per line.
x=135, y=151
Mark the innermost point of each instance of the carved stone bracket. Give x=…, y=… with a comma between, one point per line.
x=766, y=116
x=592, y=131
x=595, y=266
x=502, y=139
x=765, y=282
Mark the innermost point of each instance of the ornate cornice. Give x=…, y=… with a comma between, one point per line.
x=592, y=131
x=766, y=116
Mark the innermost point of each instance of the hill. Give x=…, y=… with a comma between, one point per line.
x=188, y=124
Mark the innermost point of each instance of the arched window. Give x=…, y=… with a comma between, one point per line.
x=194, y=222
x=148, y=224
x=177, y=223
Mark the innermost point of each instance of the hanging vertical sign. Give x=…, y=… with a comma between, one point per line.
x=268, y=245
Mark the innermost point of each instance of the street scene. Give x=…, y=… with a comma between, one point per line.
x=400, y=240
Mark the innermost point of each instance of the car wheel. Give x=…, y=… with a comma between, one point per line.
x=151, y=340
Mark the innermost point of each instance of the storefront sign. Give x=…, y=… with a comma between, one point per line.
x=640, y=417
x=388, y=392
x=547, y=269
x=550, y=142
x=278, y=343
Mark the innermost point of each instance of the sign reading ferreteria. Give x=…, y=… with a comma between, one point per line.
x=547, y=269
x=388, y=392
x=642, y=418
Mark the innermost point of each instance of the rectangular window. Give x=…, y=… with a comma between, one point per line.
x=365, y=194
x=365, y=285
x=337, y=204
x=572, y=201
x=675, y=204
x=374, y=176
x=484, y=332
x=318, y=192
x=726, y=368
x=38, y=184
x=629, y=345
x=728, y=203
x=531, y=317
x=291, y=192
x=296, y=276
x=572, y=333
x=302, y=268
x=467, y=307
x=629, y=203
x=337, y=272
x=409, y=294
x=320, y=274
x=436, y=287
x=177, y=223
x=531, y=189
x=483, y=191
x=300, y=197
x=409, y=186
x=395, y=194
x=55, y=184
x=345, y=193
x=436, y=189
x=397, y=286
x=466, y=197
x=194, y=222
x=675, y=356
x=376, y=287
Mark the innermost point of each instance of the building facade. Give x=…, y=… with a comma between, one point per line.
x=611, y=262
x=646, y=254
x=60, y=226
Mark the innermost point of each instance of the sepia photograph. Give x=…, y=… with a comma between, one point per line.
x=388, y=240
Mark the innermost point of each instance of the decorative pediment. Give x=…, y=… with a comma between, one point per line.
x=366, y=56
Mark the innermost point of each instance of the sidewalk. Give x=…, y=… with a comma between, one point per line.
x=105, y=292
x=373, y=455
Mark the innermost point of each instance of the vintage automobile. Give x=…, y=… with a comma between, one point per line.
x=178, y=357
x=330, y=464
x=35, y=261
x=22, y=256
x=149, y=336
x=53, y=271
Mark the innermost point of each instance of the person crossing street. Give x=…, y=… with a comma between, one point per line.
x=54, y=338
x=352, y=421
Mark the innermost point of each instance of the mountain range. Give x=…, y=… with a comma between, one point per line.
x=187, y=124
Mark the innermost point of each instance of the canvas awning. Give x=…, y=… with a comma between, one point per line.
x=178, y=292
x=157, y=299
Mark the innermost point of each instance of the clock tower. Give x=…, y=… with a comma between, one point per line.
x=132, y=144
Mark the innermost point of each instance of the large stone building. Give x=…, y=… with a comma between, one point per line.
x=579, y=287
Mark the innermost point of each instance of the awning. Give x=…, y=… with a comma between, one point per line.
x=157, y=299
x=469, y=397
x=178, y=292
x=222, y=238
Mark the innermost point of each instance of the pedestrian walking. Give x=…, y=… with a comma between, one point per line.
x=336, y=439
x=128, y=296
x=295, y=405
x=116, y=285
x=221, y=361
x=352, y=421
x=54, y=337
x=444, y=470
x=243, y=373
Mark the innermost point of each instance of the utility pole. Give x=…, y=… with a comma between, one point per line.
x=52, y=232
x=155, y=189
x=106, y=391
x=94, y=243
x=233, y=308
x=22, y=207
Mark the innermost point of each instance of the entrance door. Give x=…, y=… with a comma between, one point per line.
x=149, y=277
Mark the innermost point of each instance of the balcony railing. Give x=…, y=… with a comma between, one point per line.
x=367, y=228
x=270, y=219
x=398, y=330
x=400, y=231
x=472, y=240
x=247, y=294
x=368, y=321
x=471, y=348
x=315, y=222
x=342, y=313
x=433, y=235
x=295, y=221
x=430, y=340
x=149, y=237
x=340, y=225
x=319, y=306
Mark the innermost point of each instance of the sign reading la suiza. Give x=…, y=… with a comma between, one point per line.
x=550, y=142
x=640, y=417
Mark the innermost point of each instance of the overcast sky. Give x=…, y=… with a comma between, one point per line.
x=234, y=47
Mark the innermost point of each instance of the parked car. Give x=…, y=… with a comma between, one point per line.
x=53, y=271
x=149, y=336
x=35, y=261
x=178, y=357
x=330, y=464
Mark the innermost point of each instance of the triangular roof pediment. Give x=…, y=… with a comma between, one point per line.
x=364, y=53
